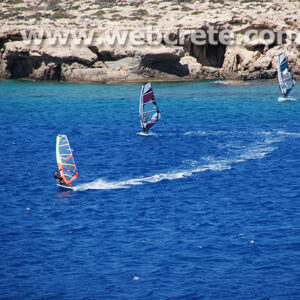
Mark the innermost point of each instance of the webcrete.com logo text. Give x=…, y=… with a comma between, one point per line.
x=154, y=37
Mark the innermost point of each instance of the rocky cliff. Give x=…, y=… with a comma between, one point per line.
x=181, y=59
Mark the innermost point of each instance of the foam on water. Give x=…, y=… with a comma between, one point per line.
x=221, y=82
x=148, y=134
x=101, y=184
x=201, y=132
x=260, y=149
x=231, y=82
x=288, y=133
x=256, y=150
x=289, y=98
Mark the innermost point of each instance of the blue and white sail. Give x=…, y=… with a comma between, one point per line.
x=285, y=78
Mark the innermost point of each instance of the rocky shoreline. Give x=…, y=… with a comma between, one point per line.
x=178, y=62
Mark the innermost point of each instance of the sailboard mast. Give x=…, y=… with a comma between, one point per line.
x=149, y=112
x=65, y=160
x=285, y=78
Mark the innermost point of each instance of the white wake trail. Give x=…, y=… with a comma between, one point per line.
x=101, y=184
x=282, y=99
x=296, y=134
x=257, y=150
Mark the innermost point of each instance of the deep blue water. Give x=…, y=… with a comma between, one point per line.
x=205, y=208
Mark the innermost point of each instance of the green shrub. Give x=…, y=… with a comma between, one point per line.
x=62, y=15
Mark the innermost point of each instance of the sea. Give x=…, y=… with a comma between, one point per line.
x=205, y=207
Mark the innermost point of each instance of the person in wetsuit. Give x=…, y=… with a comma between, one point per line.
x=58, y=177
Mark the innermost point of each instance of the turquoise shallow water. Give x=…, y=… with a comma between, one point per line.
x=207, y=207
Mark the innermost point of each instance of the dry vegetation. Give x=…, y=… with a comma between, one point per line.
x=133, y=13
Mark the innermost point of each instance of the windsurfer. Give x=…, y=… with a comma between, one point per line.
x=58, y=177
x=145, y=130
x=158, y=114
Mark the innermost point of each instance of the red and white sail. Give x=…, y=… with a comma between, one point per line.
x=149, y=113
x=65, y=160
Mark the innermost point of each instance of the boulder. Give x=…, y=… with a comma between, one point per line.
x=46, y=50
x=51, y=71
x=263, y=63
x=238, y=59
x=194, y=68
